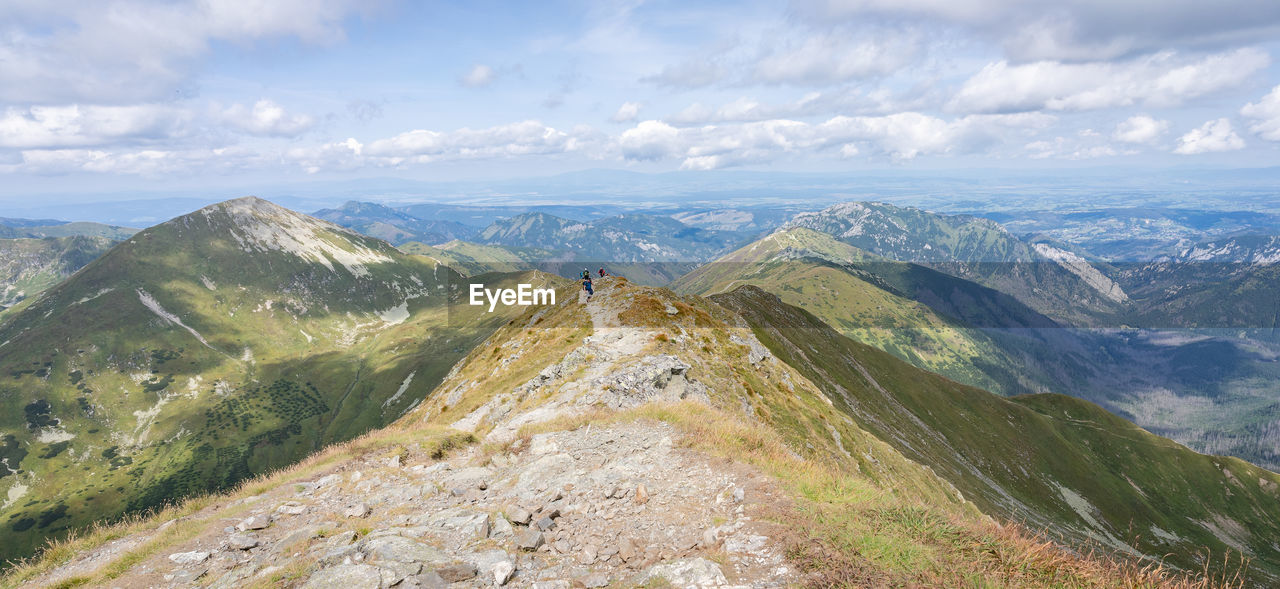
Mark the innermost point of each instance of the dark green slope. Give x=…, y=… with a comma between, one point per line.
x=211, y=347
x=1050, y=460
x=980, y=250
x=28, y=266
x=936, y=321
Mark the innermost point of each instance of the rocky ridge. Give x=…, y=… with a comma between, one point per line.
x=600, y=504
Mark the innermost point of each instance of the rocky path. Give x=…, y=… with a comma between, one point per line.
x=619, y=505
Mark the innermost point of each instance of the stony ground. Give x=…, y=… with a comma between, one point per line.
x=617, y=505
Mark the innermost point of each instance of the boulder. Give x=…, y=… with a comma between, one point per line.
x=193, y=557
x=457, y=572
x=529, y=539
x=256, y=522
x=346, y=576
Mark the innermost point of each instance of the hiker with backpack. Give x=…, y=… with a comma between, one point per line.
x=586, y=283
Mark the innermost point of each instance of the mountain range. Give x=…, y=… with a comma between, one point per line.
x=864, y=340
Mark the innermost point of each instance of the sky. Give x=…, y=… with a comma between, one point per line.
x=138, y=94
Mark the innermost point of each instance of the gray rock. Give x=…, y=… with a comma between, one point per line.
x=242, y=541
x=232, y=579
x=687, y=572
x=591, y=580
x=502, y=572
x=477, y=527
x=427, y=580
x=501, y=528
x=401, y=549
x=545, y=524
x=627, y=550
x=256, y=522
x=346, y=576
x=186, y=576
x=291, y=509
x=193, y=557
x=557, y=584
x=529, y=539
x=454, y=573
x=357, y=510
x=330, y=555
x=739, y=494
x=328, y=480
x=520, y=516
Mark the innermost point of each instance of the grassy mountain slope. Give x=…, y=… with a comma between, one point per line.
x=1051, y=460
x=918, y=314
x=217, y=345
x=29, y=266
x=1048, y=280
x=1227, y=283
x=1215, y=394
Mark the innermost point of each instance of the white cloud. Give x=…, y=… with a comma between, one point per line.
x=145, y=162
x=821, y=59
x=139, y=50
x=1160, y=80
x=845, y=101
x=1216, y=135
x=649, y=140
x=266, y=118
x=1140, y=129
x=86, y=126
x=523, y=138
x=1074, y=29
x=337, y=155
x=626, y=113
x=479, y=76
x=1265, y=115
x=900, y=136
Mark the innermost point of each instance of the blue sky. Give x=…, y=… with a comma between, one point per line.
x=133, y=94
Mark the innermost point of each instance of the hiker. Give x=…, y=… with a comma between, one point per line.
x=586, y=284
x=602, y=272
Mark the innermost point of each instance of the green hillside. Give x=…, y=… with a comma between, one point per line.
x=1051, y=281
x=201, y=351
x=28, y=266
x=923, y=316
x=1055, y=462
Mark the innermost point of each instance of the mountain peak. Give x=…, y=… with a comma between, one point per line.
x=259, y=226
